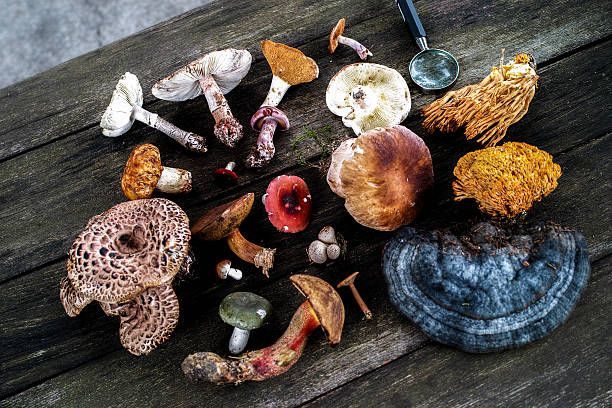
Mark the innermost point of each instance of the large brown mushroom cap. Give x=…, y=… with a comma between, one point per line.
x=289, y=64
x=382, y=174
x=131, y=247
x=219, y=222
x=142, y=172
x=335, y=33
x=325, y=302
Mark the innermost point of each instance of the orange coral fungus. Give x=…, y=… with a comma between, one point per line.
x=487, y=109
x=506, y=180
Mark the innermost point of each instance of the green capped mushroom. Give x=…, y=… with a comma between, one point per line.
x=245, y=311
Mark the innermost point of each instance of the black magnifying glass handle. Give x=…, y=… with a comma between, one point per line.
x=411, y=17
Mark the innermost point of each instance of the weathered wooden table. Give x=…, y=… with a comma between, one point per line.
x=57, y=170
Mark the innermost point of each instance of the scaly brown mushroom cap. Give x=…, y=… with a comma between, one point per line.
x=72, y=300
x=125, y=250
x=335, y=33
x=219, y=222
x=142, y=172
x=148, y=320
x=506, y=180
x=326, y=303
x=289, y=64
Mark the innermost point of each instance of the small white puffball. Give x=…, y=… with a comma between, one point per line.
x=317, y=252
x=333, y=251
x=327, y=235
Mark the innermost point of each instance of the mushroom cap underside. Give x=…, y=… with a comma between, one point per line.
x=142, y=172
x=325, y=302
x=368, y=96
x=289, y=64
x=132, y=246
x=489, y=290
x=227, y=67
x=334, y=34
x=220, y=221
x=244, y=310
x=117, y=118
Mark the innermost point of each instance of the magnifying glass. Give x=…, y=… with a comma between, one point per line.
x=431, y=69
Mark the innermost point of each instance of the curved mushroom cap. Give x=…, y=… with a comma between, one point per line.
x=382, y=174
x=148, y=320
x=244, y=310
x=72, y=300
x=130, y=247
x=289, y=64
x=117, y=118
x=368, y=96
x=288, y=203
x=227, y=67
x=335, y=33
x=489, y=290
x=325, y=302
x=506, y=180
x=142, y=172
x=220, y=221
x=272, y=112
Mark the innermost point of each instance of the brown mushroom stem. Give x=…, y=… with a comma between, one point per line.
x=256, y=365
x=278, y=89
x=361, y=303
x=227, y=128
x=188, y=140
x=174, y=181
x=264, y=151
x=249, y=252
x=363, y=52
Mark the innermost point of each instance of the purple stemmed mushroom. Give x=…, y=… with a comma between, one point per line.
x=213, y=75
x=336, y=37
x=266, y=120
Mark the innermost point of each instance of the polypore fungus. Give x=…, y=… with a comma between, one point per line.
x=505, y=180
x=335, y=38
x=126, y=259
x=213, y=75
x=368, y=96
x=289, y=67
x=288, y=203
x=143, y=173
x=126, y=106
x=323, y=308
x=487, y=109
x=244, y=311
x=382, y=175
x=490, y=289
x=223, y=222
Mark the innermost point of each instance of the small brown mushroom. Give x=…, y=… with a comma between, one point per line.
x=350, y=282
x=323, y=308
x=224, y=269
x=335, y=38
x=223, y=222
x=143, y=173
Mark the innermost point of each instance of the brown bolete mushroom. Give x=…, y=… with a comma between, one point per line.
x=213, y=75
x=126, y=106
x=323, y=308
x=336, y=37
x=382, y=175
x=144, y=173
x=126, y=259
x=289, y=67
x=223, y=222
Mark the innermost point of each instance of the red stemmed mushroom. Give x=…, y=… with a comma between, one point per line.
x=227, y=175
x=288, y=203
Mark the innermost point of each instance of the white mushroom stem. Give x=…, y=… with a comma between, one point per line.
x=174, y=181
x=234, y=273
x=230, y=166
x=239, y=340
x=264, y=151
x=227, y=128
x=278, y=89
x=363, y=52
x=189, y=140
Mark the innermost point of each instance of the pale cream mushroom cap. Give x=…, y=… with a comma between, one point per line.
x=227, y=67
x=118, y=119
x=368, y=96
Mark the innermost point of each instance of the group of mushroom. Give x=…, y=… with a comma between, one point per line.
x=497, y=285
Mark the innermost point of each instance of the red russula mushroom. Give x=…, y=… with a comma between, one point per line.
x=227, y=175
x=288, y=203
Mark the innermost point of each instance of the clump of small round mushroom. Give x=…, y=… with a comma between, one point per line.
x=326, y=247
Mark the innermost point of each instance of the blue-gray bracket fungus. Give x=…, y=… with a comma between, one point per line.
x=489, y=290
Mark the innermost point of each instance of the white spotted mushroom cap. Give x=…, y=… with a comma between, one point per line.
x=227, y=67
x=367, y=96
x=117, y=118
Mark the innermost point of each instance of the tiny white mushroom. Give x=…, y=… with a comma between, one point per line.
x=317, y=252
x=224, y=269
x=333, y=251
x=327, y=235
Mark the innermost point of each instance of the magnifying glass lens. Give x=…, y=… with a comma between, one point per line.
x=433, y=69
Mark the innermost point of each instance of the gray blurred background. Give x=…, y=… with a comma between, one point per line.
x=36, y=35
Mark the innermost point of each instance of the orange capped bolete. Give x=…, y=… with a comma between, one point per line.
x=335, y=38
x=505, y=180
x=143, y=173
x=323, y=308
x=223, y=222
x=382, y=175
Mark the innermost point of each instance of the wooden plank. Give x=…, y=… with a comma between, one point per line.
x=569, y=368
x=365, y=347
x=79, y=175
